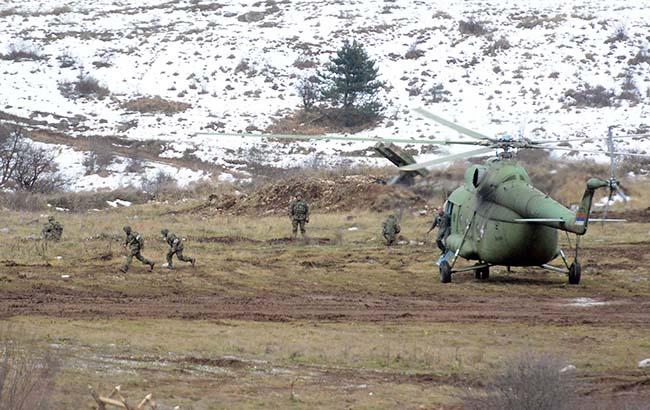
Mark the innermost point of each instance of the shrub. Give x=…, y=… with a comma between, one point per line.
x=413, y=52
x=26, y=376
x=99, y=156
x=85, y=86
x=161, y=183
x=308, y=92
x=66, y=60
x=642, y=56
x=21, y=52
x=527, y=382
x=155, y=104
x=589, y=96
x=498, y=45
x=620, y=34
x=24, y=166
x=629, y=89
x=437, y=94
x=472, y=27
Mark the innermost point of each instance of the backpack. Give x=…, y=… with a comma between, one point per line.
x=140, y=240
x=300, y=208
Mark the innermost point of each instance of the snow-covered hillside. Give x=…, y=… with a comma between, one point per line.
x=237, y=64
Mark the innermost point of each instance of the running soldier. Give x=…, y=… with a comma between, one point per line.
x=299, y=212
x=175, y=248
x=134, y=244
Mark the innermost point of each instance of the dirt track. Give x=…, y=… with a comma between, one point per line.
x=67, y=302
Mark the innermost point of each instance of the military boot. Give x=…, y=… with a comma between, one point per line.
x=151, y=267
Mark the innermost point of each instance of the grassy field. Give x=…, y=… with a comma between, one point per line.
x=344, y=320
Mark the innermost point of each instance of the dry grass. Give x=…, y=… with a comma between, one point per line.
x=155, y=104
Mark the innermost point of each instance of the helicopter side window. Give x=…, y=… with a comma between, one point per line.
x=448, y=208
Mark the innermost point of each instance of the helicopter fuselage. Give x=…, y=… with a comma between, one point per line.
x=499, y=218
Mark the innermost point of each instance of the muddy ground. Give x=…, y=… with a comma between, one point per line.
x=263, y=311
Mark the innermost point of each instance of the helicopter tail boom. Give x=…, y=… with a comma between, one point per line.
x=579, y=226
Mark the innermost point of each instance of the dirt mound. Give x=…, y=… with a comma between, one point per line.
x=342, y=193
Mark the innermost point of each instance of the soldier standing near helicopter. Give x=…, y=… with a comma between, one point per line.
x=443, y=223
x=299, y=212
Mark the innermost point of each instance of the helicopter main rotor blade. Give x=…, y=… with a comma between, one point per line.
x=631, y=154
x=340, y=138
x=452, y=125
x=467, y=154
x=588, y=139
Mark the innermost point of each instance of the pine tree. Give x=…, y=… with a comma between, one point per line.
x=352, y=84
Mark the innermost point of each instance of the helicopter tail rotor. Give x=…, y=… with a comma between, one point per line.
x=614, y=185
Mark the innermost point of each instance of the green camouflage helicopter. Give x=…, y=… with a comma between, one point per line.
x=497, y=217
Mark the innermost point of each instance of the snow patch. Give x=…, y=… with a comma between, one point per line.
x=586, y=302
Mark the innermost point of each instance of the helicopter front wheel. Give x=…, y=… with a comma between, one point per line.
x=574, y=273
x=445, y=272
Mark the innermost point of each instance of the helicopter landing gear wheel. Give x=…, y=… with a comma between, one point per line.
x=482, y=273
x=574, y=273
x=445, y=272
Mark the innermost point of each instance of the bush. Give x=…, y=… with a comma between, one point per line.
x=498, y=45
x=160, y=184
x=155, y=104
x=99, y=156
x=66, y=60
x=472, y=27
x=620, y=34
x=26, y=376
x=629, y=89
x=308, y=92
x=437, y=94
x=85, y=86
x=642, y=56
x=21, y=52
x=24, y=166
x=413, y=52
x=589, y=96
x=527, y=382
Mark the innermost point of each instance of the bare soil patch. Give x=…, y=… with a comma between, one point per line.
x=342, y=193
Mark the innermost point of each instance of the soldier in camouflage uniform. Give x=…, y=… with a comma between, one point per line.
x=443, y=223
x=134, y=244
x=299, y=212
x=390, y=229
x=52, y=230
x=175, y=248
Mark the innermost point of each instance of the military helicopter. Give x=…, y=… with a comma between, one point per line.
x=497, y=217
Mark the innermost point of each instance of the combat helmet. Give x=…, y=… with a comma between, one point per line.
x=164, y=232
x=127, y=229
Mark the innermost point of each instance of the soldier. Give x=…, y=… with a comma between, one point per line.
x=134, y=245
x=444, y=228
x=299, y=212
x=52, y=230
x=175, y=247
x=390, y=229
